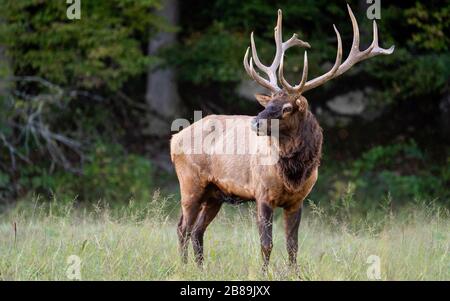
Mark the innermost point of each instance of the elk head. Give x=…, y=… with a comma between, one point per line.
x=287, y=104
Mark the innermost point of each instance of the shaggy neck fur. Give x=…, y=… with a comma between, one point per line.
x=300, y=150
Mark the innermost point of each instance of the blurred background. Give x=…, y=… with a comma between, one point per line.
x=86, y=105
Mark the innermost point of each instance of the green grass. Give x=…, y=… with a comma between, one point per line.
x=139, y=242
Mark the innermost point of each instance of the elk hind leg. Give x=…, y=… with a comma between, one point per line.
x=190, y=208
x=210, y=208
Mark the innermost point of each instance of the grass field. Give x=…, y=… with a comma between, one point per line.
x=139, y=242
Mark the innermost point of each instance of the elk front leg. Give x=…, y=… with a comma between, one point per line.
x=208, y=213
x=292, y=219
x=265, y=219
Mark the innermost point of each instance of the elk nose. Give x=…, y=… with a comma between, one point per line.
x=254, y=124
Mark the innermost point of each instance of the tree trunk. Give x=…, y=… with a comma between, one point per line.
x=5, y=70
x=162, y=91
x=444, y=107
x=3, y=65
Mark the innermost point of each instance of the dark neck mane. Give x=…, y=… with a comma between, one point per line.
x=300, y=151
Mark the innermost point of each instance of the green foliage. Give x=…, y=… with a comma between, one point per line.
x=109, y=173
x=101, y=50
x=432, y=26
x=211, y=56
x=420, y=65
x=382, y=157
x=63, y=80
x=402, y=171
x=413, y=76
x=104, y=54
x=213, y=45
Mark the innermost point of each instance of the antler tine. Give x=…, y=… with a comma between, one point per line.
x=281, y=47
x=297, y=89
x=283, y=81
x=338, y=61
x=278, y=35
x=271, y=71
x=305, y=73
x=376, y=49
x=354, y=56
x=294, y=41
x=355, y=43
x=253, y=74
x=260, y=80
x=246, y=65
x=255, y=56
x=330, y=74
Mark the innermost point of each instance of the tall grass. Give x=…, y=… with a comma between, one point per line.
x=138, y=242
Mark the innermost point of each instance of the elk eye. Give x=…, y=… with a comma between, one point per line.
x=287, y=109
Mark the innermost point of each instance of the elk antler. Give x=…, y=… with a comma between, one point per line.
x=354, y=57
x=281, y=47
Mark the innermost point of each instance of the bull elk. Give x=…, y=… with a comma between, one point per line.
x=205, y=178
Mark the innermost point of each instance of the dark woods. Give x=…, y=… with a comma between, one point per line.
x=86, y=105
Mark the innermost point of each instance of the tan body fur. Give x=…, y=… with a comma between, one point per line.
x=233, y=174
x=206, y=178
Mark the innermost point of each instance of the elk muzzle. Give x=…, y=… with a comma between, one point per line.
x=261, y=126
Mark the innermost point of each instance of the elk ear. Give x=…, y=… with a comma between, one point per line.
x=302, y=104
x=263, y=99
